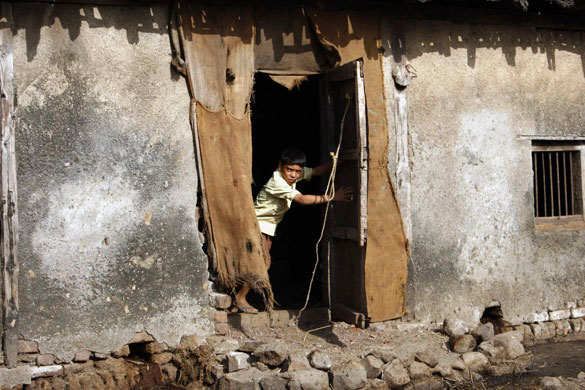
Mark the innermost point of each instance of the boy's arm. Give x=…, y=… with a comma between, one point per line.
x=343, y=194
x=323, y=168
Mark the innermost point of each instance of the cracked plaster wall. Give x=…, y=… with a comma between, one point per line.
x=478, y=89
x=107, y=180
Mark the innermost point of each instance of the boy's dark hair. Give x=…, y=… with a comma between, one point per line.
x=293, y=156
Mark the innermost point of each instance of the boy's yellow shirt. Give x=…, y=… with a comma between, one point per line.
x=275, y=198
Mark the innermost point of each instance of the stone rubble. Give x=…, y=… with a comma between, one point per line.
x=223, y=363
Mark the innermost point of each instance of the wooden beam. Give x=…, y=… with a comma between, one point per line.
x=9, y=227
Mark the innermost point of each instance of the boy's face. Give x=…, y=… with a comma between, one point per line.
x=290, y=173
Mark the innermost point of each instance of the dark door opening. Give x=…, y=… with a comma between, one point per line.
x=281, y=119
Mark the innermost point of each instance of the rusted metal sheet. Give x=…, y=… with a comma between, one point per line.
x=9, y=234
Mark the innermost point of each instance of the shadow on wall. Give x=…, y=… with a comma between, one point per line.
x=133, y=19
x=441, y=37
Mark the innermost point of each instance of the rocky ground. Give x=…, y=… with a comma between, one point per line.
x=317, y=355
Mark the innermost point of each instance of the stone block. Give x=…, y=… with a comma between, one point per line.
x=27, y=346
x=222, y=329
x=272, y=354
x=45, y=359
x=217, y=371
x=250, y=346
x=82, y=356
x=526, y=331
x=395, y=374
x=123, y=351
x=155, y=347
x=240, y=380
x=141, y=337
x=237, y=361
x=462, y=343
x=427, y=358
x=578, y=312
x=536, y=331
x=320, y=360
x=373, y=366
x=384, y=354
x=311, y=379
x=495, y=353
x=562, y=314
x=190, y=342
x=455, y=327
x=484, y=332
x=511, y=342
x=375, y=384
x=538, y=317
x=297, y=360
x=220, y=317
x=243, y=320
x=274, y=382
x=222, y=345
x=559, y=331
x=220, y=301
x=575, y=325
x=100, y=355
x=27, y=358
x=551, y=329
x=161, y=358
x=20, y=375
x=418, y=370
x=349, y=376
x=280, y=318
x=551, y=383
x=475, y=361
x=39, y=372
x=428, y=384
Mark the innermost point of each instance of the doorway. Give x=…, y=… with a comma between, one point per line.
x=283, y=118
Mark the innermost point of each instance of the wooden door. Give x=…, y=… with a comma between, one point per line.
x=347, y=222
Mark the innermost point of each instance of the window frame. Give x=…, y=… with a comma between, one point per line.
x=562, y=222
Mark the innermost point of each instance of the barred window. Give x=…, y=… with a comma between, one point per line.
x=557, y=183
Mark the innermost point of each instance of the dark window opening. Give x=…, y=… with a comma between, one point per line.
x=281, y=119
x=557, y=183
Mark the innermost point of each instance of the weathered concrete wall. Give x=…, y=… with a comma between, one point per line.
x=479, y=89
x=107, y=180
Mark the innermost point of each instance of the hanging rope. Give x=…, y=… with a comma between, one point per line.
x=329, y=191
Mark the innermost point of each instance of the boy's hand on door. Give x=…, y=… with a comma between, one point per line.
x=343, y=194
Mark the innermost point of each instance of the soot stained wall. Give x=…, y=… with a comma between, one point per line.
x=479, y=89
x=107, y=180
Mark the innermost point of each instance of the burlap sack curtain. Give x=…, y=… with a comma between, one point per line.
x=218, y=49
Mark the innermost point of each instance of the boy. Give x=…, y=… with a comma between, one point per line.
x=275, y=198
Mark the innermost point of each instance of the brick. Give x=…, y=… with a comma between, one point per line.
x=220, y=317
x=15, y=376
x=27, y=346
x=538, y=317
x=82, y=356
x=578, y=312
x=45, y=359
x=123, y=351
x=155, y=347
x=39, y=372
x=221, y=329
x=27, y=358
x=99, y=356
x=556, y=315
x=220, y=301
